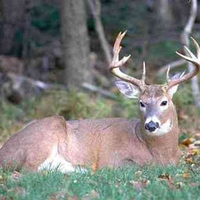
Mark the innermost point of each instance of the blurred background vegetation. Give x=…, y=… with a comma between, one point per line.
x=53, y=60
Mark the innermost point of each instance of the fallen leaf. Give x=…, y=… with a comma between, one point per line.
x=164, y=177
x=189, y=160
x=186, y=175
x=186, y=142
x=168, y=179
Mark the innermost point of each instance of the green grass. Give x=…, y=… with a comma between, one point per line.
x=131, y=182
x=71, y=105
x=123, y=184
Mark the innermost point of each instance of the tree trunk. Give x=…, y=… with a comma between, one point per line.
x=75, y=43
x=165, y=13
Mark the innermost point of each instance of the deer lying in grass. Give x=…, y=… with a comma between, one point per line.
x=55, y=143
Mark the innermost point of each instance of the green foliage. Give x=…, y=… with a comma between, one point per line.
x=9, y=119
x=73, y=105
x=163, y=51
x=46, y=18
x=125, y=107
x=184, y=96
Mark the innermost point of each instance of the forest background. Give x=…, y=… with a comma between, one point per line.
x=54, y=59
x=53, y=47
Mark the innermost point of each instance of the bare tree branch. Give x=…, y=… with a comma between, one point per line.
x=103, y=92
x=95, y=7
x=25, y=87
x=185, y=40
x=173, y=65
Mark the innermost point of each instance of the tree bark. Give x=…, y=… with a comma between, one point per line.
x=164, y=11
x=75, y=43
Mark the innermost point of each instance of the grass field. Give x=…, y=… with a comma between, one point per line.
x=133, y=182
x=130, y=182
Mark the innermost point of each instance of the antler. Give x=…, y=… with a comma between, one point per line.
x=116, y=64
x=191, y=58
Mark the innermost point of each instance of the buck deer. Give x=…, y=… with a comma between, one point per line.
x=52, y=142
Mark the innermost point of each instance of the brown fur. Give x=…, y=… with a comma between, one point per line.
x=95, y=143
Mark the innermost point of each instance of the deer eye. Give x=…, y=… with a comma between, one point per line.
x=163, y=103
x=142, y=105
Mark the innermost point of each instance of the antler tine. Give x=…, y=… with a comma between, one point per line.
x=197, y=47
x=190, y=58
x=144, y=72
x=167, y=75
x=116, y=64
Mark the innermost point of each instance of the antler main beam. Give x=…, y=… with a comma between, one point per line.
x=190, y=58
x=116, y=64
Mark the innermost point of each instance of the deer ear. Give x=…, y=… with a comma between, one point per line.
x=128, y=89
x=174, y=89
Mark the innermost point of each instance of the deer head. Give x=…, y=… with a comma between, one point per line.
x=158, y=114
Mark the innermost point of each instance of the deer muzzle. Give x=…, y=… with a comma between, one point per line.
x=151, y=126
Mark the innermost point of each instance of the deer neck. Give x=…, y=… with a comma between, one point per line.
x=163, y=147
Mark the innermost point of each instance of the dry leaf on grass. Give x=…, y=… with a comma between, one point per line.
x=186, y=142
x=186, y=175
x=169, y=180
x=189, y=160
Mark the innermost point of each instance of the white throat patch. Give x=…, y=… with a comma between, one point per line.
x=163, y=129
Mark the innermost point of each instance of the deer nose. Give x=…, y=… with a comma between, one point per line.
x=151, y=126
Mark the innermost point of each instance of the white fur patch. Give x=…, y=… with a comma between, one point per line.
x=163, y=129
x=56, y=162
